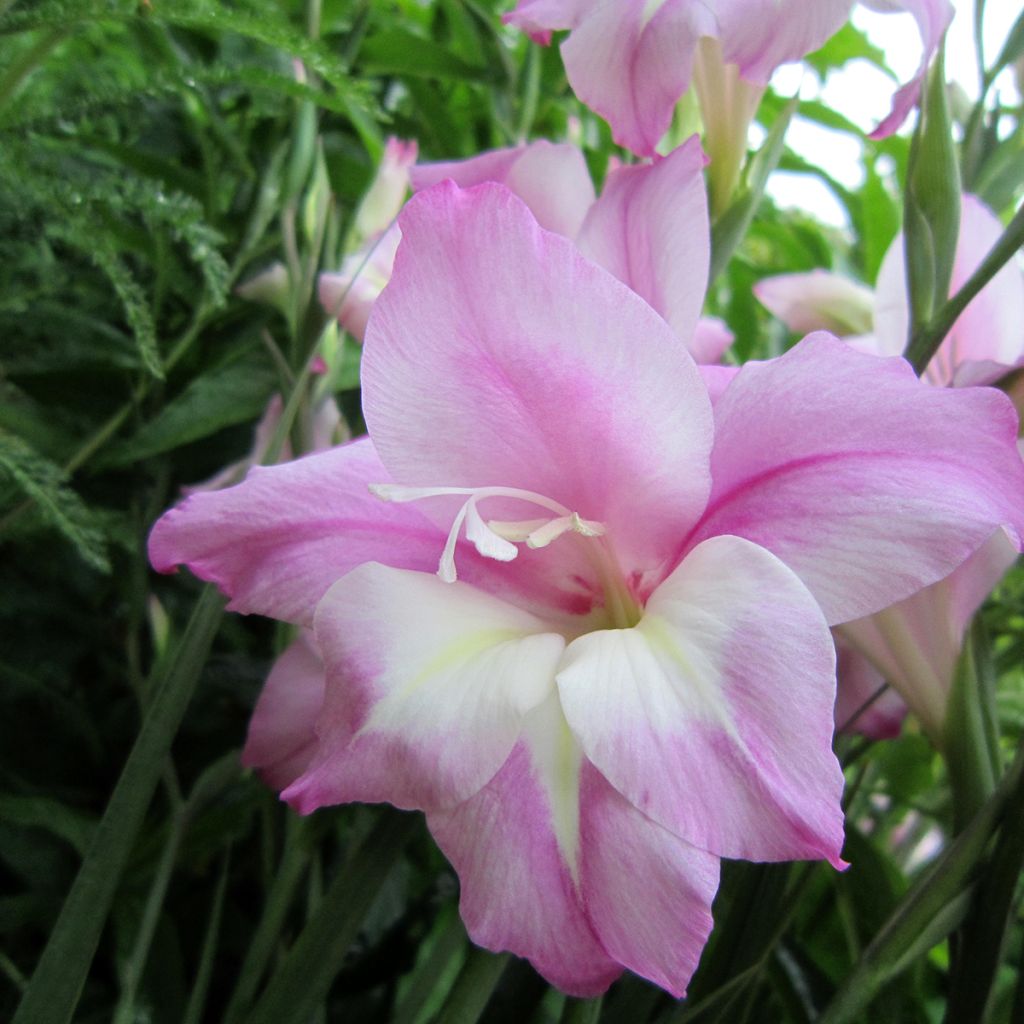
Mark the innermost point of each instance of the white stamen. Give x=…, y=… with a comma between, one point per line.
x=587, y=527
x=515, y=531
x=551, y=530
x=486, y=541
x=495, y=539
x=446, y=567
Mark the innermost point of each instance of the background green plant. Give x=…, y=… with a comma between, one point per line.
x=152, y=155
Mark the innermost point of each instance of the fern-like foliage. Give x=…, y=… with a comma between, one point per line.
x=38, y=479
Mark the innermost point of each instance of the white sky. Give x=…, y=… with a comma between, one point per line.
x=862, y=93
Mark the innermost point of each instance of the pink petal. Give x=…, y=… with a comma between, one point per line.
x=760, y=35
x=538, y=361
x=275, y=543
x=648, y=893
x=350, y=293
x=857, y=682
x=713, y=716
x=987, y=340
x=717, y=379
x=710, y=340
x=866, y=481
x=387, y=191
x=818, y=300
x=282, y=739
x=538, y=17
x=518, y=890
x=915, y=644
x=991, y=328
x=631, y=67
x=933, y=18
x=552, y=179
x=427, y=686
x=650, y=229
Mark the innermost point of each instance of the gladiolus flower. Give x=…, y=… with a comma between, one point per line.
x=632, y=61
x=574, y=612
x=649, y=228
x=350, y=293
x=916, y=643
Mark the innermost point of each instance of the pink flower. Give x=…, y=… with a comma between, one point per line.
x=387, y=191
x=350, y=293
x=621, y=670
x=915, y=644
x=632, y=61
x=985, y=343
x=649, y=228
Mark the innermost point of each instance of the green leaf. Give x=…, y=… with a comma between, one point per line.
x=728, y=231
x=232, y=393
x=878, y=221
x=314, y=959
x=849, y=43
x=932, y=202
x=56, y=984
x=42, y=812
x=931, y=909
x=970, y=732
x=44, y=483
x=399, y=52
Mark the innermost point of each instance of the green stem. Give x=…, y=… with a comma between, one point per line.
x=294, y=861
x=932, y=908
x=125, y=1012
x=303, y=979
x=473, y=987
x=433, y=973
x=926, y=341
x=581, y=1011
x=200, y=987
x=980, y=941
x=57, y=982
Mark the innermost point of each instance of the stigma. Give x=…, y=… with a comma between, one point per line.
x=493, y=538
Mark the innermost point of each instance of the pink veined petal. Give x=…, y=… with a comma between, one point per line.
x=915, y=643
x=866, y=481
x=713, y=716
x=493, y=165
x=551, y=178
x=632, y=65
x=508, y=846
x=710, y=340
x=427, y=686
x=987, y=339
x=538, y=17
x=717, y=379
x=275, y=543
x=933, y=18
x=650, y=229
x=892, y=308
x=350, y=294
x=990, y=328
x=818, y=300
x=647, y=892
x=537, y=359
x=857, y=683
x=760, y=35
x=282, y=739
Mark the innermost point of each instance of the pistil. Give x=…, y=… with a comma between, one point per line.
x=498, y=539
